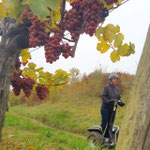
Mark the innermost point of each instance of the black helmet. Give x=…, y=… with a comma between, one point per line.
x=113, y=75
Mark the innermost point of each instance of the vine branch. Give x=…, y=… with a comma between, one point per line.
x=113, y=8
x=62, y=9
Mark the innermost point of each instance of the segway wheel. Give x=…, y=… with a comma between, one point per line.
x=95, y=139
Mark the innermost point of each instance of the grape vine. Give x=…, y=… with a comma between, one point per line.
x=83, y=17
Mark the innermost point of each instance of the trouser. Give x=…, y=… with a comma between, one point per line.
x=106, y=115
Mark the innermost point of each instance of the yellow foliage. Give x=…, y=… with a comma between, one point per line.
x=114, y=56
x=118, y=39
x=25, y=55
x=109, y=32
x=103, y=46
x=2, y=11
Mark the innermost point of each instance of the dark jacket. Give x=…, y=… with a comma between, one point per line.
x=109, y=92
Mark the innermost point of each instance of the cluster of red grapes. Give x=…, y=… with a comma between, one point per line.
x=42, y=91
x=110, y=2
x=53, y=48
x=73, y=20
x=26, y=84
x=85, y=15
x=38, y=36
x=16, y=84
x=92, y=16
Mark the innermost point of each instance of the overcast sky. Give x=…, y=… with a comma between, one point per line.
x=133, y=18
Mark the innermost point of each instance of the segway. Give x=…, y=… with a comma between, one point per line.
x=96, y=134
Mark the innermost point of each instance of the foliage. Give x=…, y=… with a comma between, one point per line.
x=36, y=79
x=110, y=36
x=53, y=13
x=49, y=24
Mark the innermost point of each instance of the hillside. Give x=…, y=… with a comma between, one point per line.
x=74, y=108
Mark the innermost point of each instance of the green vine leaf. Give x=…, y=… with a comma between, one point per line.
x=41, y=7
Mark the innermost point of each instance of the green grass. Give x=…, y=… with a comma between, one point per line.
x=22, y=133
x=68, y=116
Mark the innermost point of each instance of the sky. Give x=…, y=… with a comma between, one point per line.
x=133, y=18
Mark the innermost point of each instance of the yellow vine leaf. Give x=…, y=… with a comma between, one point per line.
x=103, y=46
x=25, y=55
x=118, y=39
x=32, y=66
x=131, y=49
x=107, y=6
x=55, y=17
x=69, y=1
x=2, y=11
x=39, y=69
x=52, y=88
x=114, y=56
x=109, y=32
x=123, y=50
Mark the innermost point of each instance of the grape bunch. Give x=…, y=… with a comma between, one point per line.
x=16, y=84
x=38, y=36
x=92, y=16
x=27, y=85
x=42, y=91
x=110, y=2
x=66, y=50
x=84, y=16
x=73, y=20
x=18, y=64
x=53, y=48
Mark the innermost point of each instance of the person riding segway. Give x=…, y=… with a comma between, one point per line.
x=110, y=99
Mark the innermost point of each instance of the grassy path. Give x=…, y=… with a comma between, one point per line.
x=47, y=126
x=21, y=133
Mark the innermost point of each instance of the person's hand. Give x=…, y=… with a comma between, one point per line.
x=112, y=101
x=120, y=103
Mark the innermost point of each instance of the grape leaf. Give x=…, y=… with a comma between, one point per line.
x=118, y=39
x=109, y=32
x=123, y=50
x=25, y=55
x=40, y=7
x=14, y=8
x=32, y=66
x=61, y=77
x=107, y=6
x=131, y=49
x=2, y=11
x=69, y=0
x=103, y=46
x=114, y=56
x=55, y=17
